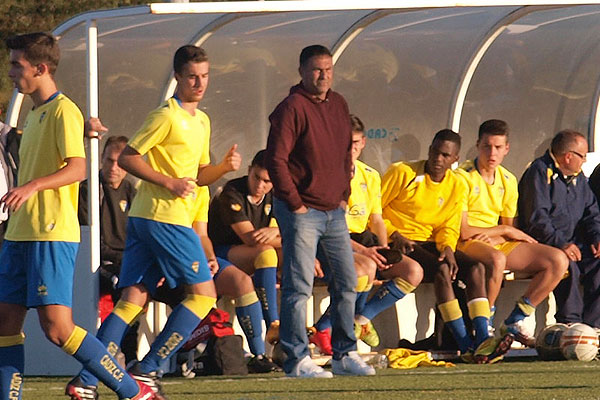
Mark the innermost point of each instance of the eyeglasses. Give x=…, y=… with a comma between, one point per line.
x=582, y=156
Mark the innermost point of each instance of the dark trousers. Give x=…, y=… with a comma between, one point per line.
x=571, y=306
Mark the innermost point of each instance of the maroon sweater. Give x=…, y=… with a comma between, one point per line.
x=309, y=150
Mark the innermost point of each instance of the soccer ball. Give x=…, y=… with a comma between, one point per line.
x=579, y=342
x=547, y=342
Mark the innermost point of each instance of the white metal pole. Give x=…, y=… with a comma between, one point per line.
x=12, y=113
x=93, y=179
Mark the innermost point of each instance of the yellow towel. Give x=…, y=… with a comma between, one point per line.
x=406, y=359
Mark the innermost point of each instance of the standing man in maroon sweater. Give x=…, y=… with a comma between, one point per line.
x=309, y=162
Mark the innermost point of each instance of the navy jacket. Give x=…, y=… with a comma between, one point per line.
x=556, y=210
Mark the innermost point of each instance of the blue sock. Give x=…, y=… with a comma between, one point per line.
x=361, y=300
x=110, y=335
x=519, y=312
x=180, y=325
x=265, y=281
x=492, y=315
x=12, y=364
x=92, y=354
x=480, y=324
x=387, y=295
x=459, y=331
x=250, y=319
x=324, y=322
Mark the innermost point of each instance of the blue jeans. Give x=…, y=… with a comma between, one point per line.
x=321, y=234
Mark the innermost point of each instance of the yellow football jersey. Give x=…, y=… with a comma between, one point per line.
x=365, y=197
x=176, y=143
x=419, y=208
x=52, y=133
x=486, y=203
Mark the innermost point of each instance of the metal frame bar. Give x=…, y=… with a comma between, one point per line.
x=93, y=162
x=460, y=94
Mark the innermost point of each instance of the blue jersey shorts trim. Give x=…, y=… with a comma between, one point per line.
x=155, y=249
x=35, y=274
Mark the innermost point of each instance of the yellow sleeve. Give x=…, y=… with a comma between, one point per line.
x=201, y=204
x=511, y=197
x=466, y=178
x=155, y=129
x=69, y=130
x=449, y=231
x=391, y=183
x=375, y=192
x=205, y=158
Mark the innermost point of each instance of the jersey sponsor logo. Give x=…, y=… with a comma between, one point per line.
x=50, y=226
x=363, y=186
x=476, y=189
x=195, y=266
x=440, y=201
x=123, y=205
x=501, y=191
x=42, y=117
x=267, y=209
x=356, y=210
x=42, y=290
x=236, y=207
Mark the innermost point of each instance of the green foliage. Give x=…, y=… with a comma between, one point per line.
x=22, y=16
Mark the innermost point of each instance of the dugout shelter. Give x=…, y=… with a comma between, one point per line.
x=407, y=68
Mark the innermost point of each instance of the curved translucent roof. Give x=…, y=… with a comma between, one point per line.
x=407, y=71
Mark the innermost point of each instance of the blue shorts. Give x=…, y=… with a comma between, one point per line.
x=223, y=264
x=154, y=250
x=222, y=250
x=37, y=273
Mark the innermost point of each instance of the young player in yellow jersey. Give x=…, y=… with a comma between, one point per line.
x=368, y=234
x=488, y=233
x=422, y=203
x=38, y=255
x=175, y=138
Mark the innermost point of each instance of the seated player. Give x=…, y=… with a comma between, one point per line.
x=489, y=234
x=422, y=203
x=368, y=234
x=240, y=227
x=232, y=282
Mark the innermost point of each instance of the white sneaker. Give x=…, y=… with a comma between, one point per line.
x=306, y=368
x=351, y=364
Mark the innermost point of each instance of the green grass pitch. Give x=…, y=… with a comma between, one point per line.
x=530, y=380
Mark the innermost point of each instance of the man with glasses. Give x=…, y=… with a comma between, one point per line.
x=557, y=207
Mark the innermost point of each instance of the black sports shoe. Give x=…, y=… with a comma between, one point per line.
x=78, y=391
x=149, y=379
x=261, y=364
